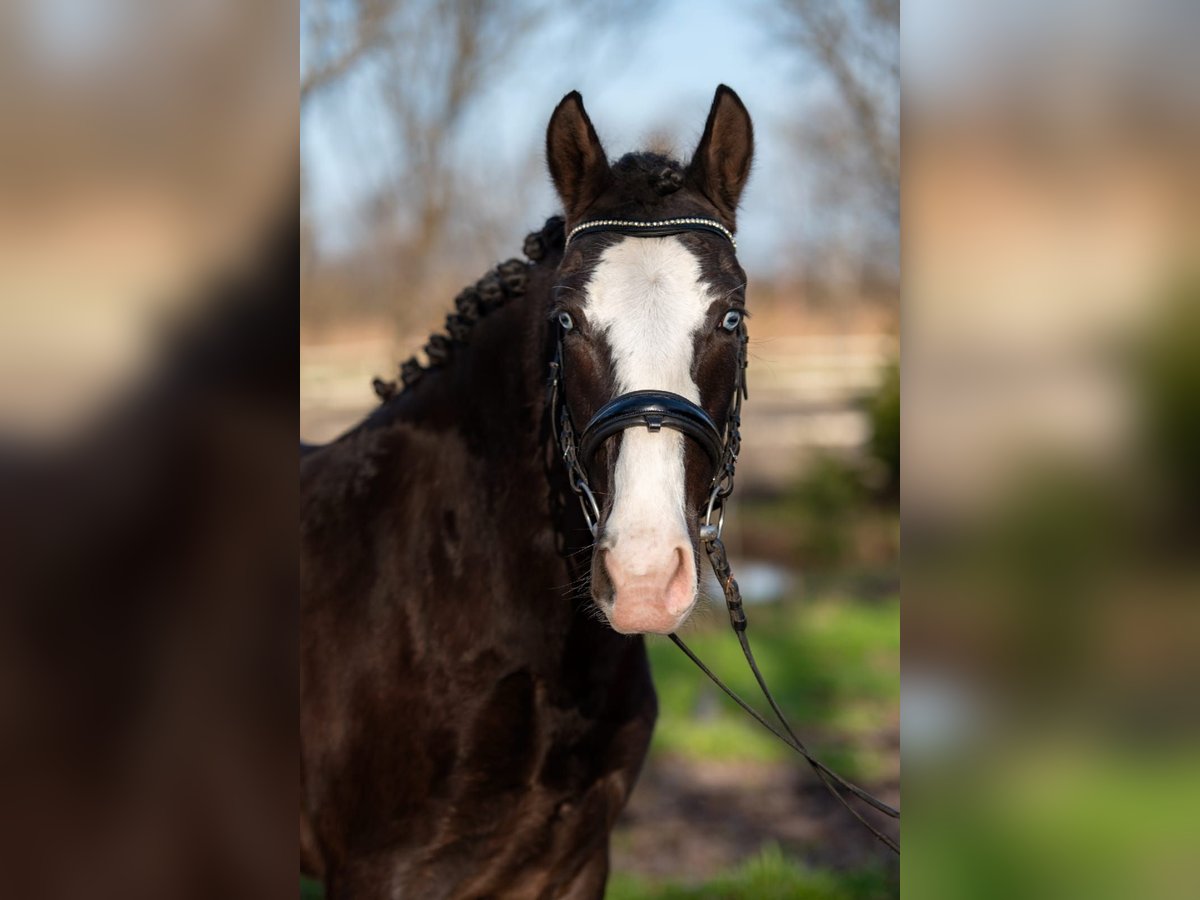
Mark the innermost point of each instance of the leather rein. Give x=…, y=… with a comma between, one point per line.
x=655, y=410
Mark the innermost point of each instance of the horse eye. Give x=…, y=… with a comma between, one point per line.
x=565, y=320
x=732, y=320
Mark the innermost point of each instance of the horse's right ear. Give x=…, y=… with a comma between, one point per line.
x=576, y=159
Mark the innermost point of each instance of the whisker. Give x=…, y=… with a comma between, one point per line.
x=576, y=582
x=731, y=292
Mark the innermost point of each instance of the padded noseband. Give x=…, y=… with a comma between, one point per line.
x=655, y=410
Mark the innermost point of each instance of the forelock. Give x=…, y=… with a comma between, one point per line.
x=647, y=177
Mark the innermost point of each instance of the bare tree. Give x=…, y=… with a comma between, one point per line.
x=419, y=65
x=856, y=43
x=336, y=35
x=453, y=47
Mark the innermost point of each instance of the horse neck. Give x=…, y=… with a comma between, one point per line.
x=491, y=391
x=491, y=397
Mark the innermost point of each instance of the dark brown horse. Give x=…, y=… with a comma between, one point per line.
x=476, y=699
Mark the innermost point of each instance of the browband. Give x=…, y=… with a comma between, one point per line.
x=659, y=228
x=655, y=410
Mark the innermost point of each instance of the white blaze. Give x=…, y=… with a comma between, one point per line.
x=647, y=298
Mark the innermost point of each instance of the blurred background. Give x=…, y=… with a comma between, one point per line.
x=1052, y=449
x=1051, y=324
x=422, y=134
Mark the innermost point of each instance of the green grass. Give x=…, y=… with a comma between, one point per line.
x=1061, y=816
x=769, y=876
x=833, y=665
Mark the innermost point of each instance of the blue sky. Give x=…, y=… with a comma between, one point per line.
x=661, y=77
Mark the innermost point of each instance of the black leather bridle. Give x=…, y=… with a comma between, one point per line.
x=655, y=410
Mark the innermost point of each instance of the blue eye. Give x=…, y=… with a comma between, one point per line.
x=732, y=320
x=565, y=320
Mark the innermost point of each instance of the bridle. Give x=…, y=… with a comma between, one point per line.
x=656, y=410
x=653, y=409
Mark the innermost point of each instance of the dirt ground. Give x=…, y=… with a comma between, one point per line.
x=690, y=820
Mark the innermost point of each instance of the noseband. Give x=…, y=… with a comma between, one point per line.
x=653, y=410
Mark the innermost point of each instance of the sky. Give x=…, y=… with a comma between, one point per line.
x=658, y=77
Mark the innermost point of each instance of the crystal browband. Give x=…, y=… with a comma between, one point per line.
x=658, y=228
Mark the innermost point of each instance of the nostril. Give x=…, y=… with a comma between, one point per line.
x=680, y=587
x=611, y=566
x=680, y=561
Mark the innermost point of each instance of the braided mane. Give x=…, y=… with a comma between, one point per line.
x=503, y=283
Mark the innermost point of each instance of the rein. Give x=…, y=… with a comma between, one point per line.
x=655, y=410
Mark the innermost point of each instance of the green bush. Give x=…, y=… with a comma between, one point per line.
x=1168, y=380
x=884, y=411
x=826, y=501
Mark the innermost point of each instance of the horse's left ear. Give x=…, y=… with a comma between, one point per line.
x=721, y=164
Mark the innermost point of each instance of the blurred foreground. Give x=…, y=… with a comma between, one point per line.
x=1052, y=438
x=148, y=257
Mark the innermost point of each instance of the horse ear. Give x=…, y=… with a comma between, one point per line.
x=721, y=164
x=576, y=159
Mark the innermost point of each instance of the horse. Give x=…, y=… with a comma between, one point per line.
x=478, y=569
